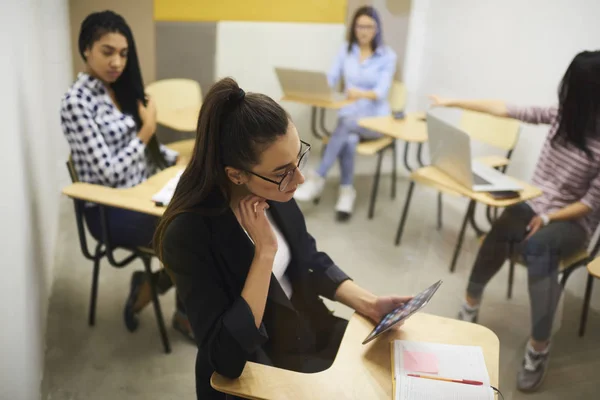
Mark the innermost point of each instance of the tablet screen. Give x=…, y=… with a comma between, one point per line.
x=403, y=312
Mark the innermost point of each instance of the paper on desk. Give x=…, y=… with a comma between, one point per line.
x=165, y=194
x=427, y=389
x=454, y=362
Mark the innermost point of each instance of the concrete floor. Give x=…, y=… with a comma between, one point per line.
x=107, y=362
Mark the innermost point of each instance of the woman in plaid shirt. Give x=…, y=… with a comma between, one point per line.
x=110, y=124
x=561, y=221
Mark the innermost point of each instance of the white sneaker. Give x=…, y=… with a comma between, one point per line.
x=311, y=189
x=345, y=203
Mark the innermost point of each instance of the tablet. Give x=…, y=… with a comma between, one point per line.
x=403, y=312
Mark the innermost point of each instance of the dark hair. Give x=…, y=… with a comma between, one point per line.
x=233, y=130
x=129, y=88
x=579, y=101
x=369, y=12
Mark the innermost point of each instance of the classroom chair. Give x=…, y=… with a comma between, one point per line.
x=178, y=102
x=378, y=147
x=105, y=248
x=593, y=269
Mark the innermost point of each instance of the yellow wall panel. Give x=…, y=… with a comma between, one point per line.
x=323, y=11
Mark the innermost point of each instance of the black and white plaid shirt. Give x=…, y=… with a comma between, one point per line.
x=104, y=143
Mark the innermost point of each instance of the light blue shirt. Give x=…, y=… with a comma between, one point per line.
x=375, y=73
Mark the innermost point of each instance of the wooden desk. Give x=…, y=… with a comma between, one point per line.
x=411, y=129
x=180, y=119
x=183, y=147
x=359, y=372
x=137, y=198
x=434, y=177
x=318, y=106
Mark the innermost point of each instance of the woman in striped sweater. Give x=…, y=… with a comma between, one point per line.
x=561, y=221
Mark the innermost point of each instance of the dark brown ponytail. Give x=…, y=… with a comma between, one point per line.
x=233, y=129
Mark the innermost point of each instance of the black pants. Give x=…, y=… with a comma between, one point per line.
x=130, y=229
x=541, y=254
x=324, y=356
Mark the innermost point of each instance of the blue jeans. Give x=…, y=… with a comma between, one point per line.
x=130, y=229
x=541, y=253
x=342, y=145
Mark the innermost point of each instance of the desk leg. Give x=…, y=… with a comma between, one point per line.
x=155, y=302
x=511, y=269
x=375, y=185
x=461, y=235
x=406, y=165
x=405, y=212
x=394, y=167
x=94, y=289
x=324, y=130
x=313, y=123
x=586, y=304
x=440, y=208
x=419, y=155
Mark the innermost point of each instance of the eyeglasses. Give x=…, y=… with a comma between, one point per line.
x=288, y=176
x=365, y=27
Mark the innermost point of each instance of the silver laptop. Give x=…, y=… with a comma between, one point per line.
x=306, y=84
x=450, y=151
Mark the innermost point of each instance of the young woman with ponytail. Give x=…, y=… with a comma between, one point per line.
x=236, y=244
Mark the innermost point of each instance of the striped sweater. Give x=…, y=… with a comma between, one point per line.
x=564, y=173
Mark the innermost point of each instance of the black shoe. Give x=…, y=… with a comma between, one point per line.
x=138, y=278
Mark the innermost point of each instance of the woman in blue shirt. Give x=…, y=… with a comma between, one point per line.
x=367, y=68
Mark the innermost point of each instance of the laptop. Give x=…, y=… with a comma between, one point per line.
x=311, y=85
x=450, y=151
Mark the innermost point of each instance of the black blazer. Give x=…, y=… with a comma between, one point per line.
x=209, y=258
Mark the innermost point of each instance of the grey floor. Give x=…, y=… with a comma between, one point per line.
x=107, y=362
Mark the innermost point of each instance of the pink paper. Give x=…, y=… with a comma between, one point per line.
x=415, y=361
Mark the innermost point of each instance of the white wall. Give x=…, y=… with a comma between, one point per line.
x=35, y=70
x=265, y=45
x=513, y=50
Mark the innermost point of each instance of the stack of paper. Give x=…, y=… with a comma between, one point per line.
x=165, y=194
x=442, y=361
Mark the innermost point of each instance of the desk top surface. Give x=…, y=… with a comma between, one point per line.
x=360, y=371
x=412, y=128
x=137, y=198
x=318, y=102
x=180, y=119
x=433, y=176
x=594, y=267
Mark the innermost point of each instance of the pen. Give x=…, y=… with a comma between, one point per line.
x=437, y=378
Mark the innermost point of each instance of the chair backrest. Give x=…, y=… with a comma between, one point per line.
x=175, y=94
x=502, y=133
x=397, y=96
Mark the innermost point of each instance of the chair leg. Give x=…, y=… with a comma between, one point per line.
x=157, y=310
x=461, y=235
x=439, y=211
x=394, y=168
x=586, y=304
x=404, y=212
x=94, y=289
x=375, y=185
x=511, y=270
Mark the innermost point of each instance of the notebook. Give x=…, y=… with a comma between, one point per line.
x=165, y=194
x=438, y=360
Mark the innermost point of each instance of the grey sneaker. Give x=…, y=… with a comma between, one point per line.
x=468, y=313
x=533, y=370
